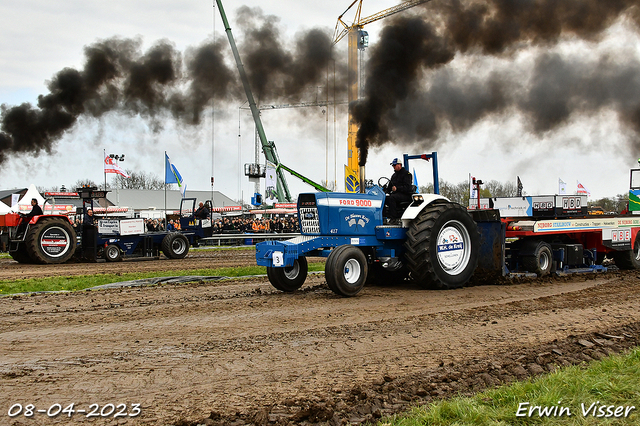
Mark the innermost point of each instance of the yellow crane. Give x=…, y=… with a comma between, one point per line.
x=359, y=40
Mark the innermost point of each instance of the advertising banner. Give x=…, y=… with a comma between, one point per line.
x=270, y=184
x=108, y=226
x=132, y=226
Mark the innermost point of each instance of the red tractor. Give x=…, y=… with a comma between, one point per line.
x=42, y=239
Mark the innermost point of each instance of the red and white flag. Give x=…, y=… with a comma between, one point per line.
x=111, y=166
x=582, y=190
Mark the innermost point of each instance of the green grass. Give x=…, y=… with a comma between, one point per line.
x=80, y=282
x=612, y=381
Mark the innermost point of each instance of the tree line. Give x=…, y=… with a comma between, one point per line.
x=459, y=193
x=138, y=180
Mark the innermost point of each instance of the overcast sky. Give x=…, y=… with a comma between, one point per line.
x=40, y=38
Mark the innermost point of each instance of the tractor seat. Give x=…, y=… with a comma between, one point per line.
x=404, y=204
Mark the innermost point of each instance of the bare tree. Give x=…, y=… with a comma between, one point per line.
x=86, y=182
x=612, y=204
x=140, y=180
x=43, y=189
x=499, y=189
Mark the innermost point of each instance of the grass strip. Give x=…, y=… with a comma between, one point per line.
x=81, y=282
x=575, y=395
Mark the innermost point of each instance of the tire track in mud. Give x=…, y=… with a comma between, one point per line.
x=239, y=351
x=196, y=259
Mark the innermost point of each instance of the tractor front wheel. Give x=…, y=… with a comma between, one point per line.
x=289, y=278
x=346, y=270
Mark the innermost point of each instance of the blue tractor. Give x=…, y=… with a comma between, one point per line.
x=436, y=244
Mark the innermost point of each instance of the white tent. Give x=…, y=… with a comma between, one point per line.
x=32, y=192
x=4, y=208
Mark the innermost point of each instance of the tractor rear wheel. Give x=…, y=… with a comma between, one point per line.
x=21, y=255
x=289, y=278
x=175, y=245
x=51, y=241
x=442, y=246
x=346, y=270
x=629, y=259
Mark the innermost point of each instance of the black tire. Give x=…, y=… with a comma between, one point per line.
x=289, y=278
x=51, y=241
x=541, y=261
x=447, y=226
x=328, y=267
x=629, y=259
x=346, y=270
x=21, y=255
x=112, y=253
x=175, y=245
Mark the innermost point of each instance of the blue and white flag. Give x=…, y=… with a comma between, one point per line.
x=415, y=181
x=171, y=175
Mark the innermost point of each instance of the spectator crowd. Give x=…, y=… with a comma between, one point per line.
x=229, y=225
x=247, y=225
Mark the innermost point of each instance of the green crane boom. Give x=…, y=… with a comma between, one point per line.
x=269, y=149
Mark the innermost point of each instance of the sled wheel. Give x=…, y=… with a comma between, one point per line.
x=541, y=261
x=629, y=259
x=289, y=278
x=346, y=270
x=442, y=246
x=112, y=253
x=175, y=245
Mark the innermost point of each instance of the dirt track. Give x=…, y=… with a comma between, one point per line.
x=196, y=259
x=240, y=352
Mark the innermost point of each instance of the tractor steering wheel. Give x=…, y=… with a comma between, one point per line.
x=383, y=183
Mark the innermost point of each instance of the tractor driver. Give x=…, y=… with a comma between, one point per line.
x=36, y=210
x=399, y=189
x=202, y=212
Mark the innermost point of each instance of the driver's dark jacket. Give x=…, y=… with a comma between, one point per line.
x=402, y=180
x=35, y=211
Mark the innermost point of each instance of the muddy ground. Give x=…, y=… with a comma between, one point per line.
x=240, y=352
x=196, y=259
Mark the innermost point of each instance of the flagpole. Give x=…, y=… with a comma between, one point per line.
x=104, y=155
x=165, y=189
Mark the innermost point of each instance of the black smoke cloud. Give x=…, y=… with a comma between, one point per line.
x=412, y=99
x=278, y=69
x=547, y=91
x=118, y=76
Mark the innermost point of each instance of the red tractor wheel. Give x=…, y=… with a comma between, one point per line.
x=51, y=241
